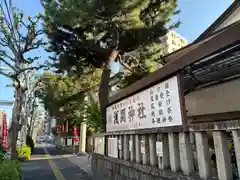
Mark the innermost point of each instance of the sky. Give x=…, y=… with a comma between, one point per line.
x=196, y=16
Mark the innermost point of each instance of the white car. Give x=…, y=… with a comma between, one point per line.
x=41, y=139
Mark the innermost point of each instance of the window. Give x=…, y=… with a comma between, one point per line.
x=174, y=49
x=173, y=42
x=182, y=41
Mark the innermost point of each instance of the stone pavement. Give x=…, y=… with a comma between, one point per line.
x=71, y=171
x=82, y=162
x=37, y=170
x=46, y=164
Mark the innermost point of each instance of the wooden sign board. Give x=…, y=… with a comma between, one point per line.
x=158, y=106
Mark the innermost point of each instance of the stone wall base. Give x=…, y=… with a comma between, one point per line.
x=108, y=168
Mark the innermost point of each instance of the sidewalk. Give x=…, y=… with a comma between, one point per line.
x=48, y=165
x=82, y=162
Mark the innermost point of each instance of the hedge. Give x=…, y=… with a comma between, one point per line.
x=10, y=170
x=24, y=152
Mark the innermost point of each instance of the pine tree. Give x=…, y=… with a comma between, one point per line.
x=54, y=90
x=88, y=34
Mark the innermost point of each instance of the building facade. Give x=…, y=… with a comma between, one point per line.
x=172, y=41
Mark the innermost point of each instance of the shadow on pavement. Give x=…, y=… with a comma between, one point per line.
x=36, y=170
x=72, y=171
x=41, y=169
x=40, y=152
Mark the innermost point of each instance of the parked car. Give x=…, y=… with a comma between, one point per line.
x=41, y=139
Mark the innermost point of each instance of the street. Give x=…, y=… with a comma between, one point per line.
x=46, y=164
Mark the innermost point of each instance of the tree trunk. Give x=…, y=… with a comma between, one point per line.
x=103, y=99
x=104, y=84
x=15, y=122
x=31, y=126
x=104, y=92
x=14, y=133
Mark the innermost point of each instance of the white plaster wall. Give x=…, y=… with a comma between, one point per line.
x=216, y=99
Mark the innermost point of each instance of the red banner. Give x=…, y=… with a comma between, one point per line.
x=75, y=131
x=4, y=131
x=59, y=127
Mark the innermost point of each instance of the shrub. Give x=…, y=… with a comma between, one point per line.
x=24, y=151
x=2, y=156
x=30, y=142
x=2, y=150
x=10, y=170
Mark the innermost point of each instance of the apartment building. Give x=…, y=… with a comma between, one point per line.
x=172, y=41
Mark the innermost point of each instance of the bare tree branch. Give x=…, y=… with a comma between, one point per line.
x=10, y=39
x=125, y=66
x=4, y=54
x=6, y=75
x=32, y=68
x=137, y=61
x=9, y=64
x=3, y=42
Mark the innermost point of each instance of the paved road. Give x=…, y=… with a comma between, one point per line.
x=46, y=164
